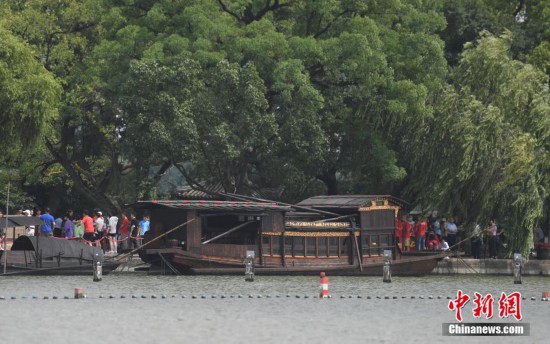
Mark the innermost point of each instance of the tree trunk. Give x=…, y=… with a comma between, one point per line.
x=90, y=193
x=329, y=178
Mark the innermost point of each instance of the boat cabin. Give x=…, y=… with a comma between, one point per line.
x=215, y=228
x=319, y=231
x=371, y=218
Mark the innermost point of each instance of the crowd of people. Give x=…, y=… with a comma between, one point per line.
x=115, y=235
x=423, y=233
x=432, y=233
x=104, y=230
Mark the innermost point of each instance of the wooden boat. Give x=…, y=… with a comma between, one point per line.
x=340, y=235
x=52, y=256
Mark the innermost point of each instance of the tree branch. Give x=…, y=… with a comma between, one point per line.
x=91, y=194
x=249, y=16
x=308, y=23
x=519, y=8
x=323, y=30
x=45, y=166
x=226, y=10
x=162, y=171
x=266, y=9
x=191, y=181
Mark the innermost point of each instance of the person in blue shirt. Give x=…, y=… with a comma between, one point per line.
x=144, y=225
x=49, y=223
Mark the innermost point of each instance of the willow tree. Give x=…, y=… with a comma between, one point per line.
x=29, y=96
x=29, y=100
x=486, y=155
x=80, y=156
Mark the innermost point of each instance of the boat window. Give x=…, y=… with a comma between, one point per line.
x=378, y=243
x=276, y=245
x=298, y=247
x=385, y=241
x=265, y=245
x=381, y=244
x=366, y=246
x=322, y=247
x=311, y=250
x=375, y=244
x=344, y=246
x=333, y=246
x=288, y=246
x=251, y=239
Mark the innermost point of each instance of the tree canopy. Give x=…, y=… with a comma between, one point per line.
x=444, y=103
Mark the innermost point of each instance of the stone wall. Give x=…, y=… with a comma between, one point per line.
x=461, y=266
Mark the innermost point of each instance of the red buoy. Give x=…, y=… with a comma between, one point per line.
x=324, y=286
x=78, y=293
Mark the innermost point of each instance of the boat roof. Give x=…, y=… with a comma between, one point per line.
x=212, y=205
x=53, y=247
x=305, y=214
x=19, y=221
x=217, y=192
x=348, y=202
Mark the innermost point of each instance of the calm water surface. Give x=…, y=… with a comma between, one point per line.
x=269, y=319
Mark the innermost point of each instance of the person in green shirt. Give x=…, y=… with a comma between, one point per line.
x=78, y=229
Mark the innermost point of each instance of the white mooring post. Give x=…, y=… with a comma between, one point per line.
x=518, y=261
x=387, y=265
x=249, y=266
x=98, y=269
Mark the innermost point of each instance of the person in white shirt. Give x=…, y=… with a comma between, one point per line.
x=443, y=245
x=451, y=230
x=99, y=227
x=29, y=231
x=111, y=232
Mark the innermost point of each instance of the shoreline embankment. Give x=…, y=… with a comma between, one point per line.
x=465, y=266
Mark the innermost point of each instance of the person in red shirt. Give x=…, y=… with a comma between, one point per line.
x=124, y=231
x=420, y=233
x=406, y=233
x=89, y=232
x=433, y=241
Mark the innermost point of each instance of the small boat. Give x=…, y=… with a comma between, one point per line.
x=52, y=256
x=339, y=235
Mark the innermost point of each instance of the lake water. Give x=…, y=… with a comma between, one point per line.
x=283, y=314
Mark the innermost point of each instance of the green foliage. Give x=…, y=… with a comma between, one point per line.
x=489, y=155
x=62, y=34
x=444, y=103
x=29, y=96
x=158, y=101
x=540, y=57
x=19, y=199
